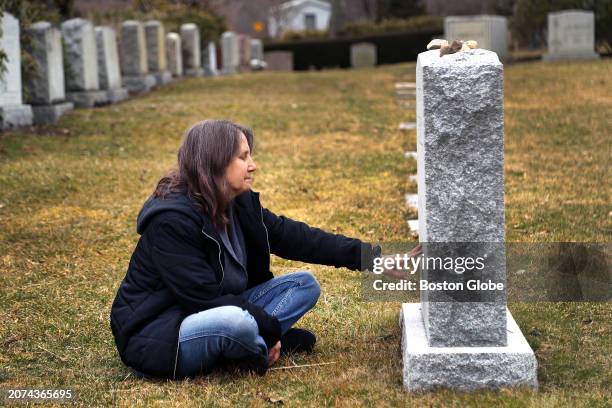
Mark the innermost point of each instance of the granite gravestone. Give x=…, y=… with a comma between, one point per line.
x=174, y=54
x=450, y=341
x=279, y=60
x=231, y=53
x=363, y=55
x=134, y=64
x=13, y=113
x=81, y=64
x=209, y=59
x=155, y=37
x=46, y=88
x=109, y=74
x=491, y=32
x=244, y=51
x=571, y=35
x=190, y=41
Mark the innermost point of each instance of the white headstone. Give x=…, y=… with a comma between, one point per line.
x=133, y=49
x=363, y=55
x=257, y=52
x=230, y=52
x=12, y=112
x=109, y=73
x=174, y=53
x=210, y=59
x=156, y=45
x=571, y=35
x=80, y=56
x=190, y=42
x=46, y=84
x=491, y=32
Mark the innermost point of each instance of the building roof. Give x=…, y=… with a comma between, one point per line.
x=299, y=3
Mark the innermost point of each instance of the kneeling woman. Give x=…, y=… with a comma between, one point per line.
x=198, y=290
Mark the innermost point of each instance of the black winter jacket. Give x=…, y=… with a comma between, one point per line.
x=176, y=270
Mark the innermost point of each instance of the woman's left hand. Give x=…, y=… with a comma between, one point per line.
x=274, y=353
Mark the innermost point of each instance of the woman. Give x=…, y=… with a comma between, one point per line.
x=198, y=291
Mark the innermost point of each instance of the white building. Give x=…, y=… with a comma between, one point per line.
x=299, y=15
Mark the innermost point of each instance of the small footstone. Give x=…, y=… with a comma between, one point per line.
x=407, y=126
x=413, y=225
x=410, y=155
x=412, y=200
x=45, y=114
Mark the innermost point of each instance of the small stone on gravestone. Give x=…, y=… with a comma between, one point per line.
x=436, y=44
x=470, y=343
x=489, y=31
x=45, y=85
x=134, y=60
x=363, y=55
x=571, y=35
x=13, y=113
x=230, y=51
x=81, y=64
x=155, y=39
x=175, y=54
x=190, y=42
x=109, y=73
x=209, y=60
x=279, y=60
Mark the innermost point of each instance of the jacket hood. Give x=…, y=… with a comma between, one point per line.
x=156, y=205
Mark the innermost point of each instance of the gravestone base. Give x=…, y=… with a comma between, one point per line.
x=463, y=368
x=87, y=99
x=139, y=83
x=12, y=116
x=194, y=72
x=162, y=78
x=229, y=71
x=45, y=114
x=116, y=95
x=574, y=56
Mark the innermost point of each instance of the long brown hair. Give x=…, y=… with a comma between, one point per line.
x=206, y=151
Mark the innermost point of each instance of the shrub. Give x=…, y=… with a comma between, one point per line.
x=394, y=25
x=305, y=34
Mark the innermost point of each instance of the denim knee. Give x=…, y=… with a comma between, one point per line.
x=230, y=321
x=310, y=287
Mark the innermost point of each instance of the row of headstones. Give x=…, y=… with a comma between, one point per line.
x=570, y=33
x=81, y=65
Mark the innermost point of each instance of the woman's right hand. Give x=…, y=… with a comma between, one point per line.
x=274, y=353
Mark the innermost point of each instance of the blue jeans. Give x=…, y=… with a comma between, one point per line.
x=210, y=337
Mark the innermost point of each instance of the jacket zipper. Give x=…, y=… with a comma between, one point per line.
x=178, y=343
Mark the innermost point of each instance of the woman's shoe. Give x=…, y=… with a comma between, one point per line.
x=297, y=341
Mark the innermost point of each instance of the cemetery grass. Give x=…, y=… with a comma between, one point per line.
x=330, y=154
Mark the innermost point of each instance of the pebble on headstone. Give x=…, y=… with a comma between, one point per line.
x=209, y=60
x=174, y=54
x=190, y=41
x=13, y=113
x=489, y=31
x=230, y=50
x=155, y=38
x=109, y=73
x=134, y=63
x=571, y=35
x=363, y=55
x=46, y=88
x=472, y=342
x=81, y=64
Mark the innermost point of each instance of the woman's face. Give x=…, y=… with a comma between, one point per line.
x=239, y=172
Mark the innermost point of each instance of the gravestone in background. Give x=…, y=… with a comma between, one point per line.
x=45, y=86
x=155, y=37
x=134, y=64
x=491, y=32
x=450, y=340
x=257, y=55
x=244, y=51
x=190, y=42
x=81, y=64
x=363, y=55
x=174, y=54
x=209, y=60
x=13, y=113
x=279, y=60
x=109, y=73
x=571, y=35
x=230, y=50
